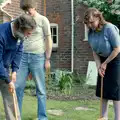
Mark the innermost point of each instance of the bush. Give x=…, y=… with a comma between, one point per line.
x=78, y=78
x=65, y=83
x=30, y=84
x=109, y=9
x=62, y=81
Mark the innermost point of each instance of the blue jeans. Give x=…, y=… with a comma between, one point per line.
x=33, y=63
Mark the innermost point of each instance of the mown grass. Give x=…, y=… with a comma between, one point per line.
x=68, y=107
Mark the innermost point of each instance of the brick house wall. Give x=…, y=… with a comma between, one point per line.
x=14, y=8
x=59, y=12
x=1, y=16
x=82, y=50
x=4, y=17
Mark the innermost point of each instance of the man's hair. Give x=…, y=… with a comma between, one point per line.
x=25, y=22
x=27, y=4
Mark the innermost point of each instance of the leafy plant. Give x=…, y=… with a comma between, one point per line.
x=30, y=87
x=1, y=1
x=80, y=79
x=30, y=84
x=110, y=9
x=63, y=80
x=65, y=83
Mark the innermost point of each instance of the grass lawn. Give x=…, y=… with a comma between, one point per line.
x=68, y=107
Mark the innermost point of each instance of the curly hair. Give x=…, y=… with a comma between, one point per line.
x=92, y=13
x=25, y=22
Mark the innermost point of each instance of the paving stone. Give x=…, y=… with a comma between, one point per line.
x=84, y=108
x=55, y=112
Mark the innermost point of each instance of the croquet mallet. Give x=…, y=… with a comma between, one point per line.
x=47, y=76
x=15, y=105
x=101, y=100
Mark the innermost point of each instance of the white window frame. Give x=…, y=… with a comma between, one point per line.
x=85, y=33
x=55, y=45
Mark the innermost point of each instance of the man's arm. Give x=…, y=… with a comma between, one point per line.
x=16, y=61
x=48, y=43
x=3, y=72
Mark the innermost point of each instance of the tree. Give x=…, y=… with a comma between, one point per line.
x=1, y=1
x=109, y=8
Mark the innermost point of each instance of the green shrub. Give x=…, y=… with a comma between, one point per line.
x=65, y=83
x=110, y=10
x=30, y=84
x=30, y=88
x=78, y=78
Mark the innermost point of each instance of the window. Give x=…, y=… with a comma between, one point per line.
x=86, y=33
x=54, y=34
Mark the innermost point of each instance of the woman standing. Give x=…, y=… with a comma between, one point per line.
x=104, y=40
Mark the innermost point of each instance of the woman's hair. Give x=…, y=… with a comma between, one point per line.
x=92, y=13
x=24, y=22
x=27, y=4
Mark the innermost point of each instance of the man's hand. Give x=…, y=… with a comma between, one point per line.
x=47, y=65
x=13, y=77
x=11, y=87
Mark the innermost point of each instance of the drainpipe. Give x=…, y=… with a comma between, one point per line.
x=44, y=7
x=72, y=36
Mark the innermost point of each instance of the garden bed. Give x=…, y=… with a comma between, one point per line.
x=77, y=93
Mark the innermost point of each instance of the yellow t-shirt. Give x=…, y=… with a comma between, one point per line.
x=36, y=42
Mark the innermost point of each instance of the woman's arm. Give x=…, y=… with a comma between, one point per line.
x=97, y=60
x=114, y=53
x=98, y=64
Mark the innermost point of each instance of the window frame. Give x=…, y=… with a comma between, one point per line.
x=52, y=25
x=85, y=33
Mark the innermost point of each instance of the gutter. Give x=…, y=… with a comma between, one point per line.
x=3, y=5
x=72, y=36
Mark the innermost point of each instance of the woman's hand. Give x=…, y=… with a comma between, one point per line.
x=102, y=69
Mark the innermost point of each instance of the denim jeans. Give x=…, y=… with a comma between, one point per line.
x=33, y=63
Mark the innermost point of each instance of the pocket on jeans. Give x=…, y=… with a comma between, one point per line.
x=38, y=57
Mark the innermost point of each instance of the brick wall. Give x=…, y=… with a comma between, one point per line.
x=59, y=12
x=14, y=8
x=1, y=17
x=82, y=50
